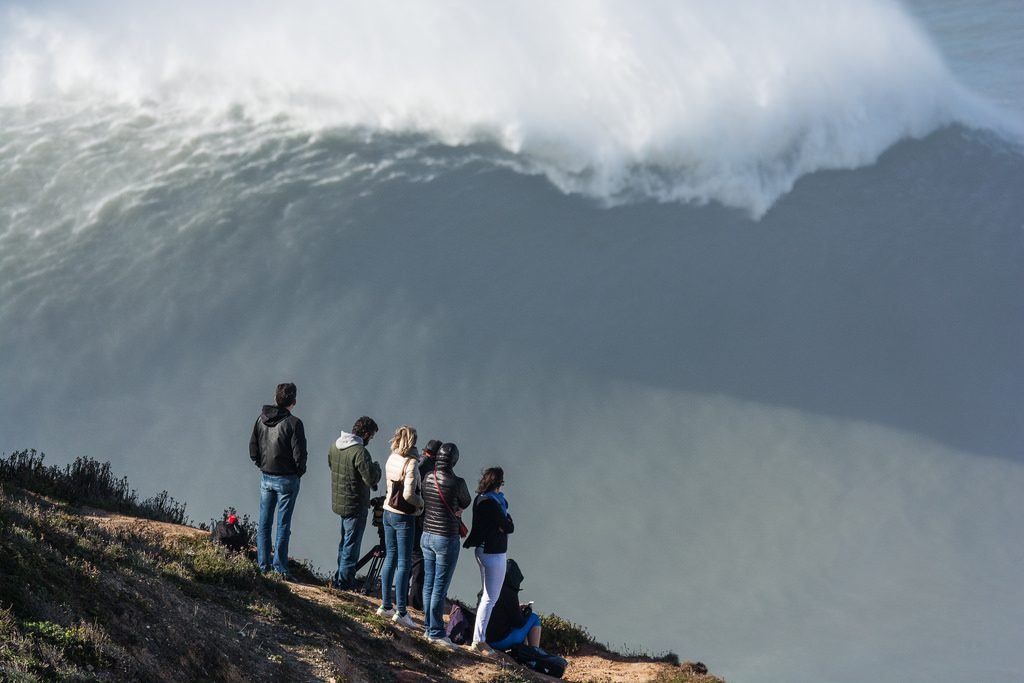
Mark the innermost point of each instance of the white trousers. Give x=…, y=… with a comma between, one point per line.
x=492, y=575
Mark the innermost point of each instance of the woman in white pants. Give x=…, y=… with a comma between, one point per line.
x=489, y=536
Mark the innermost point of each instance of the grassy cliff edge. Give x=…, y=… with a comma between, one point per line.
x=96, y=585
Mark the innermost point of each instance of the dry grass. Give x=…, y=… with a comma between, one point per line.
x=88, y=595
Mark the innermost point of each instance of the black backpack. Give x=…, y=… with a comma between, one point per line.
x=539, y=660
x=230, y=536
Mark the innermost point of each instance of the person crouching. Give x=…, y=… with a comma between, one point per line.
x=512, y=623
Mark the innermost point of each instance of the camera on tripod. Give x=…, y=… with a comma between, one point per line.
x=377, y=505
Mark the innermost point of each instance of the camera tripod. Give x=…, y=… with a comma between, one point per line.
x=375, y=556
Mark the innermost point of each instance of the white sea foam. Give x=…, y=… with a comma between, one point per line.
x=730, y=100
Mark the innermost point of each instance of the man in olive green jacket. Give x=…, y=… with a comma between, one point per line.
x=353, y=474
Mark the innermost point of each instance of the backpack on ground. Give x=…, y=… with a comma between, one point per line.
x=539, y=660
x=460, y=624
x=231, y=536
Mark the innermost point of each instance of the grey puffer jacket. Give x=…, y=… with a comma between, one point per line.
x=436, y=518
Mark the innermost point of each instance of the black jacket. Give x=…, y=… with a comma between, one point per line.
x=427, y=465
x=507, y=614
x=278, y=442
x=490, y=526
x=436, y=518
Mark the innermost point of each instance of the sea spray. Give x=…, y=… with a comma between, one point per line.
x=693, y=101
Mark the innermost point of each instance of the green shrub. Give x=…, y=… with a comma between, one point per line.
x=197, y=558
x=77, y=644
x=562, y=636
x=87, y=482
x=666, y=656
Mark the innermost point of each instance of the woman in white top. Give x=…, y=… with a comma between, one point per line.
x=402, y=503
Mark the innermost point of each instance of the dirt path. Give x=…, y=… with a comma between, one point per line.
x=330, y=662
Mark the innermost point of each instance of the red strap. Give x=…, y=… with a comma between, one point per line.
x=441, y=495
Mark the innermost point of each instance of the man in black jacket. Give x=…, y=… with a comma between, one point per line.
x=278, y=447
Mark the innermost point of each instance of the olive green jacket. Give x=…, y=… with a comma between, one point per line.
x=353, y=474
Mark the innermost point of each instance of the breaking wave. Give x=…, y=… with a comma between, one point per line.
x=678, y=101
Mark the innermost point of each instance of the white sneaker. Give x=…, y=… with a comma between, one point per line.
x=404, y=620
x=443, y=642
x=386, y=613
x=482, y=648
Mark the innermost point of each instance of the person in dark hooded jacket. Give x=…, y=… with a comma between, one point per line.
x=445, y=496
x=511, y=623
x=278, y=447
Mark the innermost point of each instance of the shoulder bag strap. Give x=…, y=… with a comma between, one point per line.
x=401, y=479
x=441, y=495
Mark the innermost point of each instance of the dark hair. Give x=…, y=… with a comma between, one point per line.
x=285, y=395
x=364, y=427
x=432, y=447
x=490, y=480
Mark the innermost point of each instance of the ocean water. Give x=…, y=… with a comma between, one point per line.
x=731, y=291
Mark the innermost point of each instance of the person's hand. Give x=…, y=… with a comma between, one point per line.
x=458, y=513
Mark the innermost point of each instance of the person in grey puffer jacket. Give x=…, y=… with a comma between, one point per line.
x=353, y=474
x=428, y=456
x=445, y=496
x=278, y=447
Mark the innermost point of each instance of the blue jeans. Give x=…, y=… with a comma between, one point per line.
x=398, y=534
x=348, y=549
x=440, y=553
x=276, y=491
x=517, y=635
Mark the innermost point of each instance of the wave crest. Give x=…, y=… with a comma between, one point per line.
x=729, y=101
